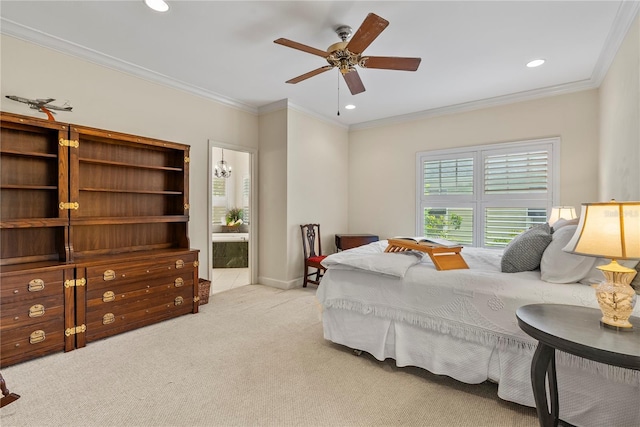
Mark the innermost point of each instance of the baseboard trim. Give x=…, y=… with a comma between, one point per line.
x=280, y=284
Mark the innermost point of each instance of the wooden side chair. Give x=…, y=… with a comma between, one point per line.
x=312, y=247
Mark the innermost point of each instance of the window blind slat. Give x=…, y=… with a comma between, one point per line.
x=503, y=224
x=450, y=176
x=516, y=173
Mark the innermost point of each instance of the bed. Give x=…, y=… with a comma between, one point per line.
x=461, y=323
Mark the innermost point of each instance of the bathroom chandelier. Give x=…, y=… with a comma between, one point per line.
x=222, y=170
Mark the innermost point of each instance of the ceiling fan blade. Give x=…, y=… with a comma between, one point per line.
x=353, y=82
x=302, y=47
x=391, y=63
x=371, y=28
x=305, y=76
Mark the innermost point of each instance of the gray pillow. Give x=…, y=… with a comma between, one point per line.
x=525, y=251
x=635, y=283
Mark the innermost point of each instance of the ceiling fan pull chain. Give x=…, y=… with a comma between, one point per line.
x=338, y=94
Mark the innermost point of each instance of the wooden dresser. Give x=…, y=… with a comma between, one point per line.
x=349, y=241
x=93, y=235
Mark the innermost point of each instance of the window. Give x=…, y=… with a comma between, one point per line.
x=486, y=195
x=219, y=200
x=246, y=191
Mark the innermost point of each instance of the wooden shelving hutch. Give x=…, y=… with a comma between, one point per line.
x=93, y=233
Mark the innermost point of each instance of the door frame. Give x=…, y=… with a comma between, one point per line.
x=253, y=205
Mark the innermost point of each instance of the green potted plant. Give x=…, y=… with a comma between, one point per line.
x=234, y=217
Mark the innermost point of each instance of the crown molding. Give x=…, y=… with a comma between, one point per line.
x=282, y=104
x=318, y=116
x=40, y=38
x=479, y=104
x=627, y=13
x=286, y=104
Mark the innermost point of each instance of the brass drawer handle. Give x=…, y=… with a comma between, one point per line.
x=36, y=285
x=108, y=275
x=108, y=318
x=178, y=282
x=179, y=263
x=36, y=310
x=37, y=336
x=108, y=296
x=178, y=301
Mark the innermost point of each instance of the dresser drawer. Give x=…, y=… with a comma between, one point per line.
x=26, y=342
x=31, y=285
x=32, y=312
x=126, y=292
x=105, y=275
x=110, y=319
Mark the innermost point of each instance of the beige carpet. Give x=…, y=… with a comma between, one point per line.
x=253, y=356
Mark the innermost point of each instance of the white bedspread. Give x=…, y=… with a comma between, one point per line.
x=460, y=323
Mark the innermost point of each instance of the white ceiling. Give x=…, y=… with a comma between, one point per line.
x=473, y=53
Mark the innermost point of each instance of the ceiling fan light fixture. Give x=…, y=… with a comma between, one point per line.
x=350, y=107
x=157, y=5
x=535, y=63
x=346, y=55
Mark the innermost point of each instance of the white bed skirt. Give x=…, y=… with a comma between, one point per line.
x=590, y=393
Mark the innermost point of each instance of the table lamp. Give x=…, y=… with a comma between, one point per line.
x=558, y=212
x=611, y=230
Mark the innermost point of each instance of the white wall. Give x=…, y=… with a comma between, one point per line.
x=620, y=122
x=382, y=173
x=112, y=100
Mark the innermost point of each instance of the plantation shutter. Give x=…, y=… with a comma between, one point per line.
x=525, y=172
x=448, y=176
x=219, y=186
x=486, y=195
x=503, y=224
x=246, y=189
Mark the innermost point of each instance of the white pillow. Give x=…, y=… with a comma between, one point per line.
x=563, y=223
x=558, y=266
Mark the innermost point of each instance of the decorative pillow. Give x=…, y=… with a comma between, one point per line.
x=635, y=283
x=525, y=251
x=563, y=223
x=558, y=266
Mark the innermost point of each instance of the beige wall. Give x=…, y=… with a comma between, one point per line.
x=303, y=171
x=382, y=187
x=317, y=183
x=108, y=99
x=620, y=122
x=272, y=191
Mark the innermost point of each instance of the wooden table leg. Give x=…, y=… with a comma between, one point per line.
x=7, y=396
x=543, y=366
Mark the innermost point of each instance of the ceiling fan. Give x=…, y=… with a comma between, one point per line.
x=345, y=55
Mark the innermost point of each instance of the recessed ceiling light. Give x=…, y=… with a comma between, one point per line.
x=350, y=107
x=157, y=5
x=535, y=63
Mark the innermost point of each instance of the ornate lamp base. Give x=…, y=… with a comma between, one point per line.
x=615, y=296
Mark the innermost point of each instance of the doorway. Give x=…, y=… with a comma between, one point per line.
x=232, y=219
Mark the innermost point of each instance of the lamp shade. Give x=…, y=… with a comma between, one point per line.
x=558, y=212
x=608, y=230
